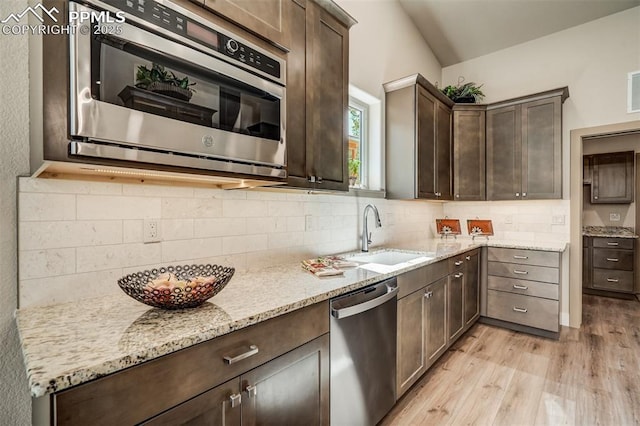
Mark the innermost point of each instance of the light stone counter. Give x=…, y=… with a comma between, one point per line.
x=68, y=344
x=608, y=232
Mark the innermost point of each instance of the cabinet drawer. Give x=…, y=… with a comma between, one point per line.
x=607, y=279
x=524, y=257
x=528, y=288
x=138, y=393
x=524, y=272
x=525, y=310
x=419, y=278
x=614, y=243
x=613, y=259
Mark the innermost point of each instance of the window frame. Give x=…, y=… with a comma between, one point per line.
x=364, y=141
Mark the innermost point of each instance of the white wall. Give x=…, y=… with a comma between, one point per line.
x=15, y=405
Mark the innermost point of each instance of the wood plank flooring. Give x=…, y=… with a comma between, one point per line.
x=493, y=376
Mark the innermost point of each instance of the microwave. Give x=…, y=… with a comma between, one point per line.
x=163, y=88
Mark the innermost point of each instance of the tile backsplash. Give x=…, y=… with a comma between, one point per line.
x=76, y=238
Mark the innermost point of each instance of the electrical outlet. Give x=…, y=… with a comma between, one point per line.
x=508, y=219
x=151, y=233
x=557, y=220
x=308, y=223
x=614, y=217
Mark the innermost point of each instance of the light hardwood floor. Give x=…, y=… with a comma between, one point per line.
x=493, y=376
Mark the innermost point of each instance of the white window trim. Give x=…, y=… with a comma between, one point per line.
x=364, y=139
x=630, y=93
x=372, y=152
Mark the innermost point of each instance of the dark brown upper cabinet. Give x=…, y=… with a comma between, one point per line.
x=612, y=178
x=317, y=98
x=524, y=147
x=469, y=152
x=267, y=19
x=418, y=140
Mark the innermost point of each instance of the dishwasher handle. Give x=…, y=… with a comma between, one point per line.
x=392, y=291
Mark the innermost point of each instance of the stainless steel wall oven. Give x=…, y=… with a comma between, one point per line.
x=167, y=87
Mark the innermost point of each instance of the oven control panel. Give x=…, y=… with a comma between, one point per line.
x=171, y=20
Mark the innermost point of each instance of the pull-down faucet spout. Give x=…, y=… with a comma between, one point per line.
x=366, y=235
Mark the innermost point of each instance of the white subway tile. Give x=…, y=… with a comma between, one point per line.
x=317, y=209
x=284, y=208
x=177, y=229
x=66, y=288
x=296, y=223
x=197, y=248
x=102, y=258
x=63, y=186
x=34, y=206
x=151, y=190
x=208, y=192
x=244, y=208
x=47, y=235
x=316, y=237
x=223, y=226
x=244, y=244
x=265, y=194
x=92, y=207
x=286, y=239
x=185, y=208
x=132, y=231
x=263, y=225
x=46, y=263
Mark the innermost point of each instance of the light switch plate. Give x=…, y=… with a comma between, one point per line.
x=508, y=219
x=614, y=217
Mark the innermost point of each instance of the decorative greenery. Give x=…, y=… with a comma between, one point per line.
x=462, y=91
x=157, y=73
x=354, y=167
x=354, y=122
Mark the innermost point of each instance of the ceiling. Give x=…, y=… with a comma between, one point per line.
x=459, y=30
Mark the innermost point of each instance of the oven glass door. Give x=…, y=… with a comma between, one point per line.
x=140, y=89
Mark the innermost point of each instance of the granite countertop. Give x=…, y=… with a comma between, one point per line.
x=68, y=344
x=608, y=232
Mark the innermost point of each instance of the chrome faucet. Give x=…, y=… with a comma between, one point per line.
x=366, y=235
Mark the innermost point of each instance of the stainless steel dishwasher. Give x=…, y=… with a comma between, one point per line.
x=363, y=354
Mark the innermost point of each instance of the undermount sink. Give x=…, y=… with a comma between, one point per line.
x=387, y=261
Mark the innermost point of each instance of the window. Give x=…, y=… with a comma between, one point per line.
x=365, y=141
x=358, y=122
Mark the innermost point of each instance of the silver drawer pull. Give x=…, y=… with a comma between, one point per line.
x=515, y=271
x=458, y=275
x=458, y=262
x=520, y=287
x=515, y=256
x=612, y=259
x=523, y=310
x=612, y=280
x=253, y=349
x=612, y=244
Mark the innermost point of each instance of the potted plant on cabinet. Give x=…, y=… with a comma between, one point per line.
x=464, y=93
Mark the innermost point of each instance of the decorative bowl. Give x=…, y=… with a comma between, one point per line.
x=176, y=287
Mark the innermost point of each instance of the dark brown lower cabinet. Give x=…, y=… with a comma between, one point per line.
x=291, y=389
x=608, y=266
x=273, y=372
x=432, y=316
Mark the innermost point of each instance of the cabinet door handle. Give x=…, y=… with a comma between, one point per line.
x=458, y=275
x=468, y=257
x=515, y=271
x=520, y=287
x=595, y=198
x=524, y=194
x=612, y=244
x=612, y=280
x=517, y=256
x=517, y=194
x=235, y=400
x=613, y=259
x=458, y=262
x=522, y=310
x=251, y=391
x=253, y=349
x=428, y=294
